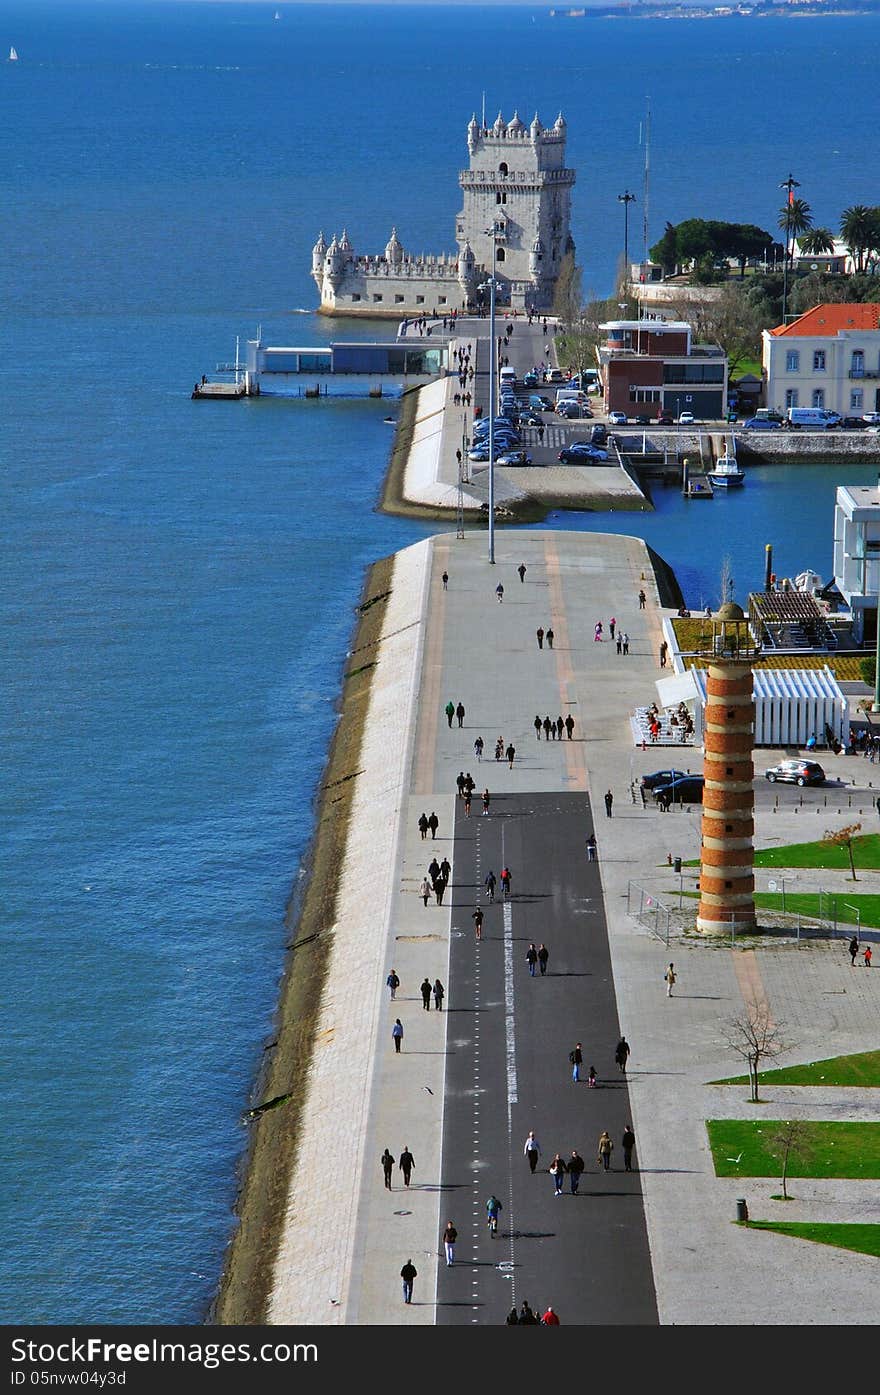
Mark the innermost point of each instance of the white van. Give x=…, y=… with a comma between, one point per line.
x=571, y=395
x=815, y=417
x=507, y=377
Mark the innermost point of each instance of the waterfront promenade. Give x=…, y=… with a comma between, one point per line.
x=346, y=1237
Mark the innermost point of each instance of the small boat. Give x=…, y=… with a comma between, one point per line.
x=277, y=14
x=13, y=56
x=726, y=472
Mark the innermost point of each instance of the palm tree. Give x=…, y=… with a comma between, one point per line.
x=857, y=230
x=816, y=242
x=795, y=217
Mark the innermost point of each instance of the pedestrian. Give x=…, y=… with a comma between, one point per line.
x=467, y=804
x=425, y=891
x=669, y=978
x=644, y=796
x=853, y=950
x=664, y=650
x=423, y=825
x=543, y=956
x=522, y=571
x=406, y=1164
x=505, y=883
x=576, y=1166
x=549, y=1319
x=512, y=1320
x=621, y=1054
x=426, y=994
x=540, y=433
x=397, y=1034
x=527, y=1316
x=537, y=725
x=477, y=918
x=557, y=1171
x=591, y=1077
x=609, y=800
x=628, y=1142
x=510, y=753
x=486, y=798
x=569, y=726
x=439, y=995
x=440, y=882
x=450, y=1235
x=445, y=870
x=433, y=823
x=434, y=870
x=393, y=981
x=532, y=1150
x=387, y=1162
x=499, y=748
x=642, y=600
x=548, y=726
x=576, y=1058
x=490, y=884
x=459, y=712
x=625, y=642
x=493, y=1206
x=449, y=709
x=539, y=635
x=867, y=956
x=445, y=577
x=469, y=783
x=459, y=784
x=591, y=848
x=611, y=624
x=620, y=643
x=597, y=633
x=478, y=748
x=532, y=959
x=408, y=1273
x=560, y=727
x=550, y=638
x=605, y=1147
x=499, y=592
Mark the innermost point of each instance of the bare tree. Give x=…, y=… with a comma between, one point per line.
x=844, y=838
x=791, y=1137
x=726, y=580
x=755, y=1037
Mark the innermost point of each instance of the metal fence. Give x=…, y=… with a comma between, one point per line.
x=644, y=907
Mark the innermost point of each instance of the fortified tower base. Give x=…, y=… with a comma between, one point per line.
x=727, y=863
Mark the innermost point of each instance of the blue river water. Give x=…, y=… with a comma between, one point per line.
x=178, y=580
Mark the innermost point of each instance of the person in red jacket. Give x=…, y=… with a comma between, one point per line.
x=550, y=1319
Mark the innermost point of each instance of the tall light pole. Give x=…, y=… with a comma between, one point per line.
x=790, y=184
x=493, y=231
x=626, y=199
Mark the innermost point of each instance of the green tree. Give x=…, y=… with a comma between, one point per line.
x=844, y=838
x=816, y=242
x=795, y=218
x=746, y=240
x=665, y=252
x=857, y=230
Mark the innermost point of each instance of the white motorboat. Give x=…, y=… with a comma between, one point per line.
x=13, y=56
x=726, y=472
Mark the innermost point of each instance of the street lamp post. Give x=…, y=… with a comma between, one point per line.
x=626, y=199
x=493, y=233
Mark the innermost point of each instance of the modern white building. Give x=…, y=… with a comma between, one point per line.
x=828, y=357
x=515, y=217
x=791, y=705
x=857, y=555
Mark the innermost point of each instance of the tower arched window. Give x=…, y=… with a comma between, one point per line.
x=499, y=255
x=501, y=198
x=502, y=168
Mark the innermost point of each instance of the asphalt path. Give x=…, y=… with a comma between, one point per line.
x=508, y=1040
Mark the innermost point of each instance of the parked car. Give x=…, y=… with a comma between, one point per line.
x=556, y=375
x=761, y=424
x=598, y=434
x=686, y=419
x=513, y=457
x=530, y=380
x=573, y=411
x=796, y=772
x=617, y=418
x=529, y=417
x=662, y=777
x=685, y=789
x=665, y=419
x=540, y=404
x=643, y=420
x=580, y=453
x=871, y=418
x=853, y=424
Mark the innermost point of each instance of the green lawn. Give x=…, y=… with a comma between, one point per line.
x=837, y=1150
x=861, y=1070
x=806, y=903
x=864, y=1239
x=866, y=855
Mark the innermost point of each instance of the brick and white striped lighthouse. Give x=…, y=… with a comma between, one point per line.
x=727, y=862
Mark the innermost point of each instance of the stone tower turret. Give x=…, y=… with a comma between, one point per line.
x=318, y=253
x=333, y=264
x=467, y=269
x=393, y=249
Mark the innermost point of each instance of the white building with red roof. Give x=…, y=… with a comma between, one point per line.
x=828, y=357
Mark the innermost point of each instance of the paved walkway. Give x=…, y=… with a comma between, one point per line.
x=346, y=1236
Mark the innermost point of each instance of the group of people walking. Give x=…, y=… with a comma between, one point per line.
x=553, y=731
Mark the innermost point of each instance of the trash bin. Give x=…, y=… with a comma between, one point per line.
x=676, y=866
x=742, y=1211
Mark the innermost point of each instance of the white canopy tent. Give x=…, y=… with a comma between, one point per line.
x=791, y=704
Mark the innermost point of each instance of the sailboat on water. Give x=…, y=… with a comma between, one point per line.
x=13, y=56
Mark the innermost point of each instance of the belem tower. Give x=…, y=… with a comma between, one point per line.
x=516, y=192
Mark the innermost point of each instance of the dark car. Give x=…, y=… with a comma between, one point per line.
x=530, y=418
x=796, y=772
x=687, y=789
x=580, y=453
x=643, y=420
x=853, y=424
x=665, y=419
x=598, y=434
x=662, y=777
x=573, y=410
x=762, y=424
x=530, y=380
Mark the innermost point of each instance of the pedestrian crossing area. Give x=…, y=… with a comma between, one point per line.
x=553, y=436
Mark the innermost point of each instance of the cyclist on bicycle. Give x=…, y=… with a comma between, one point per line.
x=490, y=885
x=505, y=883
x=493, y=1206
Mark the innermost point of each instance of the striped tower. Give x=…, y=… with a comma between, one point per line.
x=727, y=876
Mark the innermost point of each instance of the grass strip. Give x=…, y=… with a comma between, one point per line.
x=864, y=1239
x=866, y=855
x=807, y=904
x=861, y=1071
x=743, y=1148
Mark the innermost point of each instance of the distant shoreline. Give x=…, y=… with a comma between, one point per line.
x=720, y=13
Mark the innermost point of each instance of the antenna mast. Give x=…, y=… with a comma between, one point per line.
x=647, y=176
